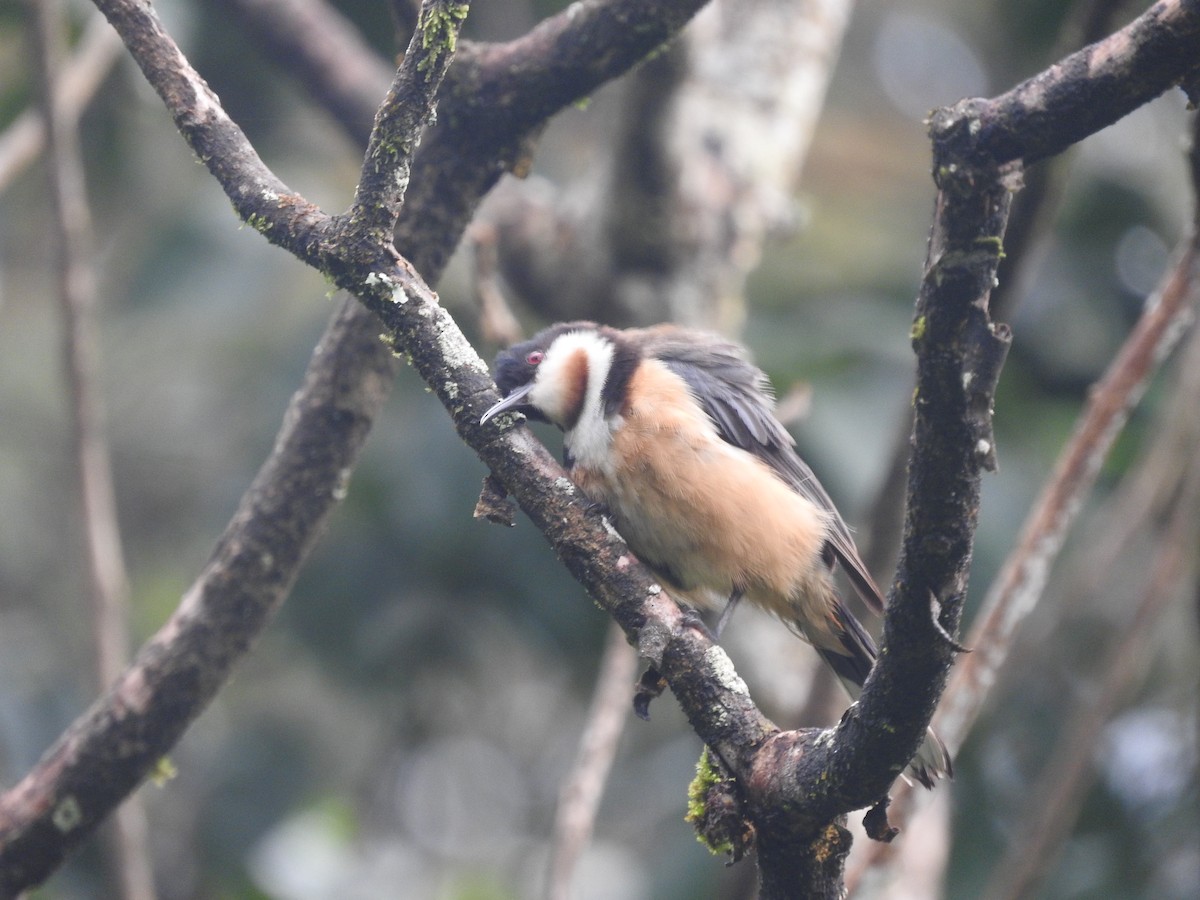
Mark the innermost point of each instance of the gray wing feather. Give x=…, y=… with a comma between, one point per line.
x=738, y=398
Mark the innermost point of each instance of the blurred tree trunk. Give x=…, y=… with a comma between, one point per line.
x=791, y=790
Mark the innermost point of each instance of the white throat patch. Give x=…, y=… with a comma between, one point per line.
x=591, y=437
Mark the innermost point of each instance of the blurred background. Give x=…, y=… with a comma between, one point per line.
x=403, y=728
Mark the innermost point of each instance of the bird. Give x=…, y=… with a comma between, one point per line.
x=672, y=432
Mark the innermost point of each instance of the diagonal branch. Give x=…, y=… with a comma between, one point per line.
x=500, y=95
x=1019, y=585
x=117, y=742
x=1088, y=90
x=1063, y=784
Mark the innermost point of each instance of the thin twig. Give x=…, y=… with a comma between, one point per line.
x=580, y=793
x=112, y=747
x=1021, y=581
x=401, y=119
x=497, y=323
x=1063, y=784
x=81, y=76
x=107, y=574
x=1145, y=495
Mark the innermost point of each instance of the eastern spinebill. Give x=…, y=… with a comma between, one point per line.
x=673, y=431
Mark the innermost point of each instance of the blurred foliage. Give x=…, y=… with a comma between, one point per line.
x=402, y=728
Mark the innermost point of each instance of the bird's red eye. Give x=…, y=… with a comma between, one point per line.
x=535, y=357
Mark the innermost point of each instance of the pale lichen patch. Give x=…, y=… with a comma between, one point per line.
x=722, y=668
x=133, y=692
x=67, y=815
x=824, y=738
x=341, y=487
x=207, y=105
x=455, y=351
x=383, y=279
x=611, y=531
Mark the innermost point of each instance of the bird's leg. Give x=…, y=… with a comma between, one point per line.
x=692, y=619
x=598, y=509
x=727, y=612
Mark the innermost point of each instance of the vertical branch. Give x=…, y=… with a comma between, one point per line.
x=960, y=352
x=579, y=796
x=107, y=575
x=1022, y=579
x=1033, y=210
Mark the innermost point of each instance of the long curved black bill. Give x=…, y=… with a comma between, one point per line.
x=512, y=400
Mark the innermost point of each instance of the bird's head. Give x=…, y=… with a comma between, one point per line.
x=563, y=373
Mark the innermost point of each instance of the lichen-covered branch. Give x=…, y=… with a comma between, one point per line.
x=1086, y=91
x=400, y=121
x=959, y=356
x=121, y=739
x=492, y=103
x=259, y=197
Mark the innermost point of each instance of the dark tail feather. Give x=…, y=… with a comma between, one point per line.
x=932, y=760
x=854, y=663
